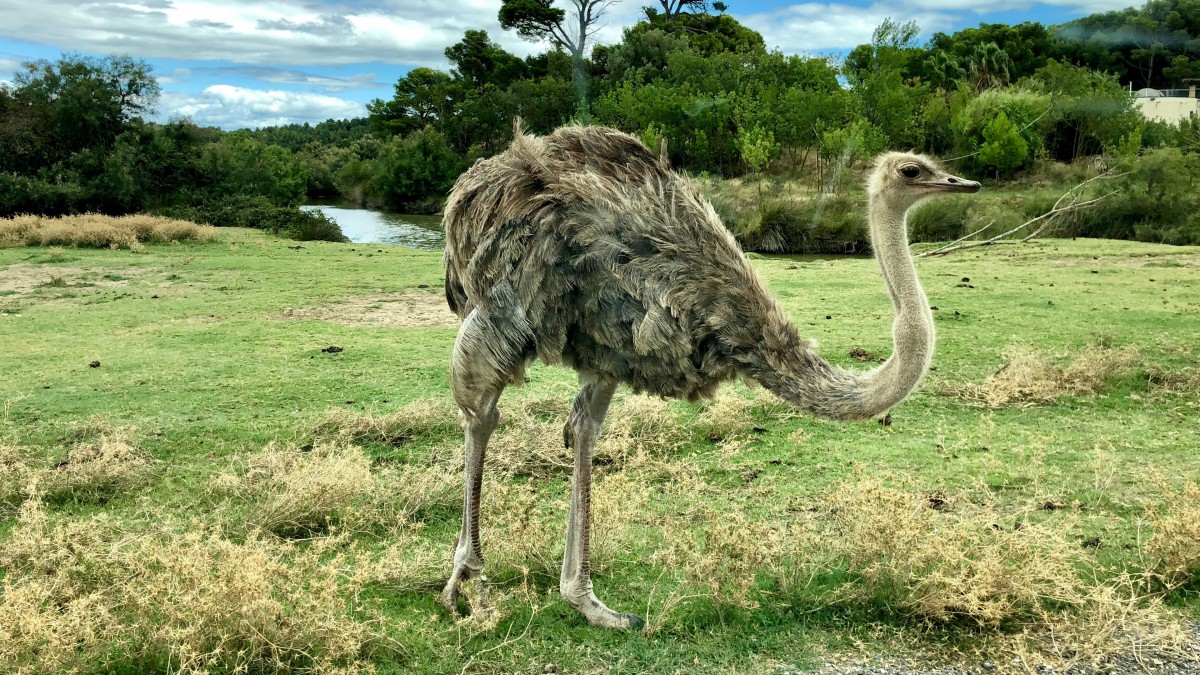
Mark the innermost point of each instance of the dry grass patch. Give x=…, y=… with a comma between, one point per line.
x=719, y=562
x=426, y=419
x=1175, y=545
x=78, y=595
x=97, y=231
x=16, y=470
x=291, y=492
x=941, y=565
x=103, y=462
x=1030, y=377
x=107, y=461
x=413, y=308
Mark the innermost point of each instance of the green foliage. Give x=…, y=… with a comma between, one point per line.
x=407, y=172
x=479, y=62
x=1156, y=201
x=707, y=34
x=757, y=147
x=1025, y=109
x=258, y=212
x=853, y=144
x=1148, y=46
x=827, y=224
x=878, y=77
x=1003, y=148
x=240, y=164
x=1091, y=111
x=1026, y=47
x=532, y=19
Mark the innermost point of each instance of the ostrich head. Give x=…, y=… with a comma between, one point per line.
x=903, y=180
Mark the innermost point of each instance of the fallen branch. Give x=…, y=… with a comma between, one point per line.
x=1046, y=219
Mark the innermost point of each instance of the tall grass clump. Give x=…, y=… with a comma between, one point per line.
x=97, y=231
x=425, y=419
x=823, y=224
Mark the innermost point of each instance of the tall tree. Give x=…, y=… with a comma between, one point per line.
x=571, y=31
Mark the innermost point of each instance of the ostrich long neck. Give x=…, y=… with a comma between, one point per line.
x=806, y=380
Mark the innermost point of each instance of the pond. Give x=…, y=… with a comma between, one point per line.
x=365, y=226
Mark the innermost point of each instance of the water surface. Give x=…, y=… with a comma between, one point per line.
x=366, y=226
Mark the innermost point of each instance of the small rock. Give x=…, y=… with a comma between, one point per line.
x=988, y=665
x=94, y=364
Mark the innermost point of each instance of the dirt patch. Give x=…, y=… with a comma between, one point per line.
x=24, y=279
x=409, y=309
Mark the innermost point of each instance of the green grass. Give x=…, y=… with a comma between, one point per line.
x=197, y=352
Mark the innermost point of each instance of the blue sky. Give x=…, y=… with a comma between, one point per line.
x=245, y=63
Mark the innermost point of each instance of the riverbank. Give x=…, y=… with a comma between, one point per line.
x=370, y=226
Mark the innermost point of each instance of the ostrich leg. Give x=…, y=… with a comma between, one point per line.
x=575, y=584
x=476, y=385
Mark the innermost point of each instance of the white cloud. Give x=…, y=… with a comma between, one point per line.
x=230, y=107
x=985, y=6
x=814, y=27
x=271, y=33
x=8, y=68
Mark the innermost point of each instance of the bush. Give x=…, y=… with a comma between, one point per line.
x=942, y=219
x=1155, y=202
x=1021, y=107
x=823, y=225
x=259, y=213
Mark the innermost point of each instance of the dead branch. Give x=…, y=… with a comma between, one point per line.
x=1075, y=203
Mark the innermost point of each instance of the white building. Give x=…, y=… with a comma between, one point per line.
x=1171, y=106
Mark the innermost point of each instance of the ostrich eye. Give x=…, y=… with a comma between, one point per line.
x=910, y=171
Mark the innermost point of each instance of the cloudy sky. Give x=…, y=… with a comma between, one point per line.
x=251, y=63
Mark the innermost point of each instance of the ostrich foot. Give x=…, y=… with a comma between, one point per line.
x=597, y=613
x=477, y=599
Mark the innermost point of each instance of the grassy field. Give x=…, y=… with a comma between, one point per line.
x=242, y=454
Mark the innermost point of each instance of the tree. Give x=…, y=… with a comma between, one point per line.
x=480, y=62
x=423, y=97
x=540, y=20
x=877, y=75
x=944, y=70
x=1003, y=148
x=990, y=67
x=673, y=8
x=74, y=103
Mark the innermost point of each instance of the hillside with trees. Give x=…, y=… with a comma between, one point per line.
x=1026, y=106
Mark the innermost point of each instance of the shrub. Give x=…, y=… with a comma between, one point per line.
x=826, y=224
x=943, y=219
x=1155, y=202
x=259, y=213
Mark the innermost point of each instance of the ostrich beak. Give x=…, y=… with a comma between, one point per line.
x=949, y=183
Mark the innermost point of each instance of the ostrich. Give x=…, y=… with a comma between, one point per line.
x=584, y=248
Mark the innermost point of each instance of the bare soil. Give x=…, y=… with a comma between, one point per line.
x=409, y=309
